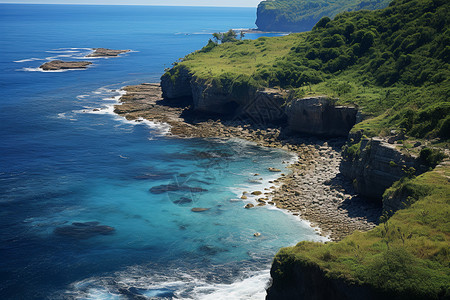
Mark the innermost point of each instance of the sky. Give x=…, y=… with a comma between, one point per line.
x=232, y=3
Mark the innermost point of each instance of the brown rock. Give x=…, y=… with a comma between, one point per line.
x=55, y=65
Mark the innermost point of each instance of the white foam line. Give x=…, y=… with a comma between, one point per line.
x=28, y=59
x=47, y=71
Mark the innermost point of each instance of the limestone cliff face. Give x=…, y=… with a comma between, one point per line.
x=293, y=280
x=315, y=115
x=176, y=83
x=375, y=166
x=319, y=116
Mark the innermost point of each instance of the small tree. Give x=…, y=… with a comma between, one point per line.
x=241, y=36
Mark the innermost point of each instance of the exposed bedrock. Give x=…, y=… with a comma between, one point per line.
x=319, y=116
x=315, y=115
x=374, y=165
x=55, y=65
x=176, y=83
x=293, y=279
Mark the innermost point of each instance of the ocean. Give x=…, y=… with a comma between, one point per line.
x=77, y=218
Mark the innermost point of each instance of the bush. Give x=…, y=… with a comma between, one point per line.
x=431, y=157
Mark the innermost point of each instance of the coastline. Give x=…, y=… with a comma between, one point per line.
x=314, y=191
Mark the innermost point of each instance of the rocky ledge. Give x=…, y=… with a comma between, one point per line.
x=316, y=115
x=56, y=65
x=315, y=190
x=104, y=52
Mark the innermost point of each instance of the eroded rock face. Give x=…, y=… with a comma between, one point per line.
x=292, y=281
x=104, y=52
x=376, y=167
x=319, y=116
x=55, y=65
x=176, y=83
x=315, y=115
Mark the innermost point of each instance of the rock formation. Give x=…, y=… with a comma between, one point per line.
x=56, y=65
x=376, y=165
x=104, y=52
x=319, y=116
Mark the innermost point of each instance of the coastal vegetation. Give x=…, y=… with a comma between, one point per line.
x=391, y=63
x=301, y=15
x=406, y=256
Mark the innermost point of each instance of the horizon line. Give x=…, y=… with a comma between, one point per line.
x=119, y=4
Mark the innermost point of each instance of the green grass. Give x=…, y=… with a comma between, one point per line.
x=409, y=254
x=240, y=58
x=391, y=63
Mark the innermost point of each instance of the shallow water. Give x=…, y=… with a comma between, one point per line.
x=62, y=163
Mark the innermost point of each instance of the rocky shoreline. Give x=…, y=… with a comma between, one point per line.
x=315, y=190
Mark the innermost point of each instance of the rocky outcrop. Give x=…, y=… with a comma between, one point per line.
x=314, y=115
x=56, y=65
x=176, y=83
x=294, y=280
x=104, y=52
x=319, y=116
x=374, y=165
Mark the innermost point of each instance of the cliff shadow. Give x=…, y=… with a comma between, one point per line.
x=356, y=206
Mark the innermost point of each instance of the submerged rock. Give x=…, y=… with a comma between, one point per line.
x=249, y=205
x=83, y=230
x=56, y=65
x=104, y=52
x=274, y=170
x=175, y=188
x=199, y=209
x=183, y=200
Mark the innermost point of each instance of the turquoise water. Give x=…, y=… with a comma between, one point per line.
x=77, y=216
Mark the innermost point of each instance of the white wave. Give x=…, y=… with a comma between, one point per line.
x=62, y=51
x=28, y=59
x=250, y=288
x=183, y=285
x=58, y=56
x=47, y=71
x=79, y=97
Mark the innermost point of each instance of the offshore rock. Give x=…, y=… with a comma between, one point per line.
x=104, y=52
x=56, y=65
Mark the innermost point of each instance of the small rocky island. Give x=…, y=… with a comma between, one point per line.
x=104, y=52
x=56, y=65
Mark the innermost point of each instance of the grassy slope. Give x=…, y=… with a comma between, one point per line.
x=407, y=254
x=294, y=11
x=392, y=63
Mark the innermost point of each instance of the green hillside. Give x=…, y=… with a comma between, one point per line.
x=392, y=63
x=301, y=15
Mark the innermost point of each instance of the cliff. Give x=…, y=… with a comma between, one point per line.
x=294, y=279
x=319, y=116
x=310, y=115
x=302, y=15
x=374, y=165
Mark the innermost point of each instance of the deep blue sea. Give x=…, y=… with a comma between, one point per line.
x=77, y=220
